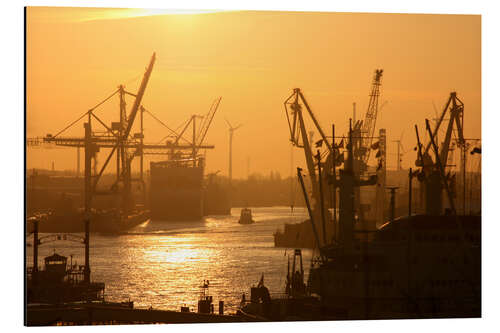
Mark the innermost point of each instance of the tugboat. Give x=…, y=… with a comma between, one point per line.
x=58, y=283
x=246, y=216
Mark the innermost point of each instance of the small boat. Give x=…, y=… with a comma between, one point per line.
x=246, y=216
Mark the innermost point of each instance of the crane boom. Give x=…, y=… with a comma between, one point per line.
x=456, y=109
x=208, y=121
x=140, y=94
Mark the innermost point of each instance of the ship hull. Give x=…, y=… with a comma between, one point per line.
x=100, y=222
x=176, y=192
x=417, y=267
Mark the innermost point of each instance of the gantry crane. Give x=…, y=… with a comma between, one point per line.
x=119, y=139
x=115, y=137
x=198, y=134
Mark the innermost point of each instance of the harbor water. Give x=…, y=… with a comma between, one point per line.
x=162, y=264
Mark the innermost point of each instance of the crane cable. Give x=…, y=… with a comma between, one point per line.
x=162, y=123
x=86, y=113
x=176, y=129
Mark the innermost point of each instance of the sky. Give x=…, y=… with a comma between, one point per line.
x=75, y=57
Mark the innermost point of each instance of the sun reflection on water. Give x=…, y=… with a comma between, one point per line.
x=178, y=250
x=163, y=264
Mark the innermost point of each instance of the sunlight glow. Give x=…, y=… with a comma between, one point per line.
x=121, y=13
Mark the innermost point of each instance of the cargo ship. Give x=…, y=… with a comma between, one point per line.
x=176, y=190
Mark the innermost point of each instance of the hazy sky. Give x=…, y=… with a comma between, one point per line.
x=75, y=57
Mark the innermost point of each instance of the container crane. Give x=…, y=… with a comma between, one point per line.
x=117, y=137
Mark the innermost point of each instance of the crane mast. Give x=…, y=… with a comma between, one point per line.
x=368, y=126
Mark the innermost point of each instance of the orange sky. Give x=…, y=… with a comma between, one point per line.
x=78, y=56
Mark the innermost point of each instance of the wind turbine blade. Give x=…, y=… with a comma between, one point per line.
x=234, y=129
x=402, y=148
x=227, y=121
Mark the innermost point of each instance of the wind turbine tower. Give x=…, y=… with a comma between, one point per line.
x=400, y=152
x=231, y=132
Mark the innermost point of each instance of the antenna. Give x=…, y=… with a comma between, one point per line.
x=435, y=119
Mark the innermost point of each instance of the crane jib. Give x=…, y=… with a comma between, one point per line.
x=140, y=94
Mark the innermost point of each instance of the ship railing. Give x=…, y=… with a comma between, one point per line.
x=274, y=296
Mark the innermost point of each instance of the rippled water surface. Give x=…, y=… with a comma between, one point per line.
x=162, y=264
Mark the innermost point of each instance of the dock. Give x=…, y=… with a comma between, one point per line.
x=102, y=313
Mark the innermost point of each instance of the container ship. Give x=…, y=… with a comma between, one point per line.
x=176, y=191
x=179, y=192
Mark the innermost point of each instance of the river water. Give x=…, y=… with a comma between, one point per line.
x=163, y=264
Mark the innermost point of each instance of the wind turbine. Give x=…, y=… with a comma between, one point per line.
x=231, y=132
x=400, y=152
